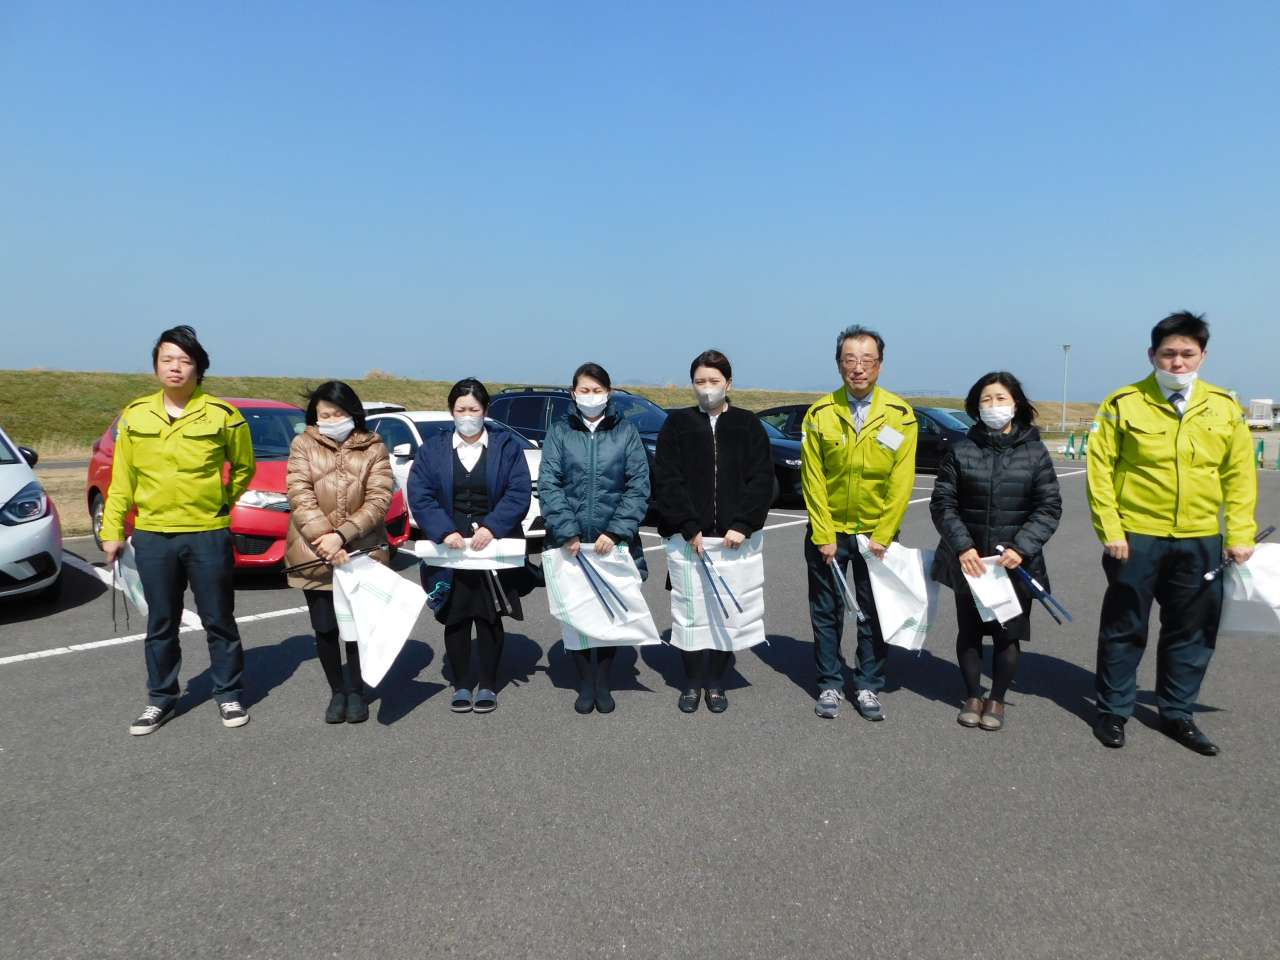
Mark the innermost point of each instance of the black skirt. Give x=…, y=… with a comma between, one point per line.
x=971, y=623
x=471, y=597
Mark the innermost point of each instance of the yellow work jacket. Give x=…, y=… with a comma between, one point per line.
x=172, y=471
x=858, y=482
x=1154, y=473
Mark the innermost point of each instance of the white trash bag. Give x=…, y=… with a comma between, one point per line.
x=698, y=620
x=906, y=597
x=506, y=554
x=605, y=613
x=993, y=593
x=129, y=580
x=1251, y=595
x=376, y=608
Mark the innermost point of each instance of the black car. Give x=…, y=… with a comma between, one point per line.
x=530, y=411
x=939, y=428
x=786, y=465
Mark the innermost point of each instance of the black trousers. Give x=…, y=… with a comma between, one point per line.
x=490, y=638
x=1171, y=572
x=324, y=621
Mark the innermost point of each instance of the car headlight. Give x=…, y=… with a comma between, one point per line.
x=651, y=447
x=264, y=500
x=791, y=463
x=29, y=503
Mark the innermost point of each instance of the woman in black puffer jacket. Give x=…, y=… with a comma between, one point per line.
x=996, y=487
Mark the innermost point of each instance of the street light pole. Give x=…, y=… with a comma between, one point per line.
x=1066, y=352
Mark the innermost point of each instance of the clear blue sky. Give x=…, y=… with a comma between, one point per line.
x=505, y=190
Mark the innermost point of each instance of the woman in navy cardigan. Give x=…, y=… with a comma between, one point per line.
x=471, y=483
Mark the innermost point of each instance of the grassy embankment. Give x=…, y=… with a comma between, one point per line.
x=60, y=413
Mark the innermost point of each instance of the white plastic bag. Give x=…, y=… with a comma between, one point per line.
x=1251, y=595
x=611, y=613
x=698, y=620
x=130, y=581
x=993, y=593
x=906, y=597
x=376, y=607
x=498, y=555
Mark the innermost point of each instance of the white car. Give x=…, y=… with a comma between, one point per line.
x=405, y=431
x=30, y=531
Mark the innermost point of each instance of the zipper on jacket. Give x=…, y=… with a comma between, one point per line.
x=1177, y=469
x=591, y=498
x=715, y=477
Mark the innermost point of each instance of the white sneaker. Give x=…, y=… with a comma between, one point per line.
x=829, y=704
x=869, y=705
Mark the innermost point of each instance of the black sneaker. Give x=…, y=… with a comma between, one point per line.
x=151, y=720
x=233, y=715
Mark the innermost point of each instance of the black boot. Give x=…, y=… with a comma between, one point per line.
x=337, y=712
x=586, y=701
x=357, y=709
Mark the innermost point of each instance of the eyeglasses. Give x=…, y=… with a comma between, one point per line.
x=866, y=363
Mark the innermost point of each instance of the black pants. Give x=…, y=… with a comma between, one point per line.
x=718, y=663
x=324, y=622
x=489, y=640
x=167, y=564
x=1171, y=572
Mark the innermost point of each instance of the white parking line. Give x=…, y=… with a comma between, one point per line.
x=189, y=619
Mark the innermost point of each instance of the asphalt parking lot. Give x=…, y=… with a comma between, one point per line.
x=534, y=832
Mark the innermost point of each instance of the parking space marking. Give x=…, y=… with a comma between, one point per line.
x=189, y=619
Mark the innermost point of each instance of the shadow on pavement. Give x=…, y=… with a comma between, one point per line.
x=78, y=588
x=564, y=673
x=924, y=674
x=265, y=668
x=792, y=658
x=667, y=661
x=400, y=692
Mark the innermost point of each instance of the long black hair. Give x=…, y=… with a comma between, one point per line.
x=184, y=337
x=470, y=387
x=341, y=396
x=595, y=372
x=1024, y=411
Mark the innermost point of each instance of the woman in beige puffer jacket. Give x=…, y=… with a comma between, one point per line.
x=340, y=486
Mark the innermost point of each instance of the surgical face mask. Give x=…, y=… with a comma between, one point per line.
x=591, y=404
x=996, y=418
x=1175, y=381
x=468, y=426
x=711, y=398
x=337, y=429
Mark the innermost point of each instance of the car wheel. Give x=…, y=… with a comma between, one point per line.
x=51, y=593
x=97, y=510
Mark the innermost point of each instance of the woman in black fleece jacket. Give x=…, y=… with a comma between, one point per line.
x=996, y=487
x=713, y=477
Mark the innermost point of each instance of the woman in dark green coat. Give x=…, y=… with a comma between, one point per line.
x=593, y=488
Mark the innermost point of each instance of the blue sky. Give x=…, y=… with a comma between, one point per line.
x=505, y=190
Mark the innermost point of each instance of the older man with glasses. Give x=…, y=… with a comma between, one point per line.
x=857, y=469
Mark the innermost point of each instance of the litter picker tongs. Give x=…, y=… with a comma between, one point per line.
x=496, y=593
x=845, y=592
x=593, y=575
x=709, y=565
x=320, y=560
x=1217, y=571
x=115, y=586
x=1039, y=592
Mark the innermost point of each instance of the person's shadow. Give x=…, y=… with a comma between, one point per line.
x=564, y=672
x=923, y=674
x=265, y=668
x=667, y=661
x=401, y=692
x=792, y=658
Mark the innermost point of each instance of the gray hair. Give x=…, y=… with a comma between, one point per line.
x=855, y=331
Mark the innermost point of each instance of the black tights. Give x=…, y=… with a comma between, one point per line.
x=331, y=662
x=457, y=644
x=717, y=661
x=604, y=658
x=1004, y=665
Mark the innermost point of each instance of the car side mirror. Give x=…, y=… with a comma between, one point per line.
x=402, y=450
x=29, y=455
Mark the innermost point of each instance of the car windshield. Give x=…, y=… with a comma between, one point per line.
x=773, y=432
x=433, y=428
x=955, y=419
x=273, y=430
x=646, y=415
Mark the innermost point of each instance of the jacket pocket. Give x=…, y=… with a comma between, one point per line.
x=1209, y=443
x=1145, y=443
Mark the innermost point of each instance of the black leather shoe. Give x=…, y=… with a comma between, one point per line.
x=717, y=702
x=586, y=701
x=690, y=699
x=1110, y=730
x=357, y=709
x=337, y=712
x=1188, y=734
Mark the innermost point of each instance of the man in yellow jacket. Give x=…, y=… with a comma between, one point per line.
x=857, y=468
x=1166, y=454
x=172, y=450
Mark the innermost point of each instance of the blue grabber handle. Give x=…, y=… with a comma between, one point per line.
x=586, y=572
x=1040, y=593
x=726, y=587
x=719, y=599
x=599, y=576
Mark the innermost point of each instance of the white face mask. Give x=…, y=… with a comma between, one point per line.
x=468, y=426
x=337, y=429
x=591, y=404
x=1175, y=381
x=711, y=398
x=996, y=418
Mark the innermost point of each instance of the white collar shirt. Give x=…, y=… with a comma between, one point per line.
x=469, y=453
x=1186, y=395
x=859, y=408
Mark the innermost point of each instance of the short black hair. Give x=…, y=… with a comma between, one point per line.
x=595, y=372
x=470, y=387
x=1024, y=411
x=856, y=331
x=711, y=358
x=341, y=396
x=185, y=337
x=1181, y=324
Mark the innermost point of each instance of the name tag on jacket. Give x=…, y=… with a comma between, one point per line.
x=890, y=438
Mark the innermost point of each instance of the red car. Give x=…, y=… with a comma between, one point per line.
x=260, y=519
